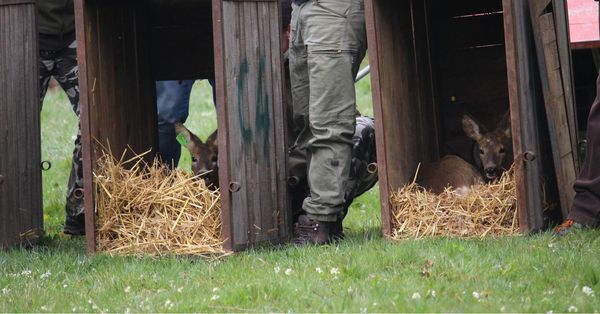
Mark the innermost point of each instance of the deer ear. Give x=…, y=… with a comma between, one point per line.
x=190, y=138
x=212, y=140
x=471, y=128
x=504, y=125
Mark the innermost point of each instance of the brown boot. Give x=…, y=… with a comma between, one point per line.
x=337, y=231
x=310, y=231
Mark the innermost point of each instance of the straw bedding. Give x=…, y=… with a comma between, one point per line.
x=488, y=209
x=147, y=209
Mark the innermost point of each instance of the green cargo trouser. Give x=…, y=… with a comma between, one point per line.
x=327, y=44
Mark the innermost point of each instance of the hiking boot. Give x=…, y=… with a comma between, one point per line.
x=337, y=231
x=566, y=227
x=74, y=226
x=310, y=231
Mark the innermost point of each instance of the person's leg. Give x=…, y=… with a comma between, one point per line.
x=335, y=38
x=173, y=102
x=66, y=74
x=586, y=204
x=46, y=66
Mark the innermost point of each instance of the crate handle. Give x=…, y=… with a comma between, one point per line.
x=234, y=187
x=529, y=156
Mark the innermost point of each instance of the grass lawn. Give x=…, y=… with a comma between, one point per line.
x=363, y=273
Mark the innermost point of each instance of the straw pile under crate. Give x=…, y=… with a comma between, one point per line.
x=147, y=209
x=488, y=209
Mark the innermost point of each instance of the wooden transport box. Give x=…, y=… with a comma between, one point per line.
x=124, y=46
x=431, y=60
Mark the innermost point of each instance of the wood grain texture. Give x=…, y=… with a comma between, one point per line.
x=21, y=209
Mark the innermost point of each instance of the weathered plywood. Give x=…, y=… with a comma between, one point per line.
x=21, y=218
x=252, y=150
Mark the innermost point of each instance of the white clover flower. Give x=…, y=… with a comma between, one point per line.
x=169, y=304
x=5, y=290
x=350, y=290
x=276, y=269
x=44, y=308
x=572, y=309
x=550, y=312
x=215, y=297
x=127, y=289
x=288, y=271
x=334, y=271
x=416, y=296
x=74, y=309
x=180, y=289
x=215, y=289
x=587, y=290
x=319, y=270
x=503, y=308
x=45, y=275
x=476, y=295
x=433, y=293
x=26, y=272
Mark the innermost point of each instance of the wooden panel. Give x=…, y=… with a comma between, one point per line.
x=117, y=88
x=402, y=92
x=556, y=78
x=252, y=151
x=526, y=104
x=21, y=218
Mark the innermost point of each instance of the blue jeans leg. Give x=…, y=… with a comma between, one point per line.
x=173, y=103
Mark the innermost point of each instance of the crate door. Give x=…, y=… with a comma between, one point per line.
x=252, y=150
x=20, y=176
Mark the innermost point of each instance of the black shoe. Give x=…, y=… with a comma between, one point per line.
x=309, y=231
x=75, y=225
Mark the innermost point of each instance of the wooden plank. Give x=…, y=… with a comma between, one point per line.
x=87, y=59
x=223, y=123
x=21, y=219
x=555, y=99
x=254, y=88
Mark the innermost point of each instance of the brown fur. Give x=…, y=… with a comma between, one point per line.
x=450, y=171
x=204, y=155
x=493, y=154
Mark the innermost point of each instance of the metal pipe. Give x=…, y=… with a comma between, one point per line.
x=362, y=73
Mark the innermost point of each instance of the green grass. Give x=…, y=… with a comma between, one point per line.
x=363, y=273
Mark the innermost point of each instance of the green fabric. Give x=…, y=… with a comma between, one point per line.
x=327, y=44
x=56, y=23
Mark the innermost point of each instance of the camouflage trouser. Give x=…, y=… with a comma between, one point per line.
x=327, y=44
x=62, y=65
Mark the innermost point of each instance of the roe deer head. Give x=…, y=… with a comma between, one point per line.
x=204, y=155
x=493, y=153
x=450, y=171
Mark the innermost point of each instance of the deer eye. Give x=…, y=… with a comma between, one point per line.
x=502, y=151
x=194, y=159
x=481, y=152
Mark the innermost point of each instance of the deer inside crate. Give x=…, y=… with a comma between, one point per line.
x=492, y=154
x=204, y=155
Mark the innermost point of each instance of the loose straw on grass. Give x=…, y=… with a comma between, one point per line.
x=488, y=209
x=147, y=209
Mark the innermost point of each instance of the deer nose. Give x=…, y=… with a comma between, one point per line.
x=491, y=172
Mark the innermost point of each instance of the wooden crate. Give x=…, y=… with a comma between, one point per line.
x=21, y=211
x=124, y=46
x=426, y=54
